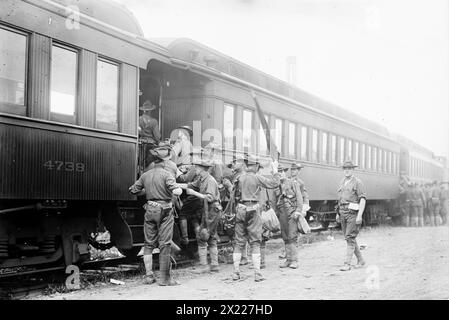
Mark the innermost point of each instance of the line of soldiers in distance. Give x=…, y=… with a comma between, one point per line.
x=423, y=204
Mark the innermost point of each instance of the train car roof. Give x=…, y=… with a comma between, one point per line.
x=110, y=12
x=191, y=51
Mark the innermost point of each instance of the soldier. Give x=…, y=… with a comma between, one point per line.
x=402, y=199
x=294, y=173
x=351, y=204
x=237, y=171
x=416, y=205
x=421, y=208
x=444, y=201
x=248, y=225
x=428, y=208
x=435, y=193
x=149, y=134
x=289, y=205
x=182, y=146
x=211, y=213
x=158, y=185
x=191, y=205
x=409, y=201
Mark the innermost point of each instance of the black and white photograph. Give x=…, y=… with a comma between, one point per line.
x=241, y=151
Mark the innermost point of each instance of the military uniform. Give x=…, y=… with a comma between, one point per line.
x=149, y=134
x=417, y=206
x=350, y=191
x=248, y=225
x=304, y=193
x=435, y=203
x=191, y=206
x=403, y=204
x=289, y=203
x=158, y=223
x=444, y=201
x=211, y=214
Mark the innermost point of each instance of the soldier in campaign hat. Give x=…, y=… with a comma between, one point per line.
x=289, y=205
x=159, y=186
x=149, y=134
x=351, y=205
x=248, y=225
x=210, y=213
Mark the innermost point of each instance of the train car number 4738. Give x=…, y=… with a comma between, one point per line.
x=64, y=166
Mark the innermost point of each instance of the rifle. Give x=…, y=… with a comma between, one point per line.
x=272, y=148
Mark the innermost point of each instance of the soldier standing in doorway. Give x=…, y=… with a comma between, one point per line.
x=351, y=205
x=159, y=186
x=149, y=134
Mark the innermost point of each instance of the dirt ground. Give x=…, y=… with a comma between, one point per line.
x=402, y=263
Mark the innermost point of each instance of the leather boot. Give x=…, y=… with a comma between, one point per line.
x=256, y=263
x=149, y=275
x=184, y=232
x=293, y=256
x=236, y=257
x=244, y=260
x=213, y=251
x=288, y=255
x=358, y=254
x=283, y=254
x=202, y=252
x=421, y=221
x=164, y=267
x=349, y=252
x=262, y=256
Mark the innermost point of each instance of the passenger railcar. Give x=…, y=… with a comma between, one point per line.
x=418, y=163
x=73, y=75
x=214, y=89
x=69, y=80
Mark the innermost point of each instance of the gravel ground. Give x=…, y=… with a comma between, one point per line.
x=402, y=263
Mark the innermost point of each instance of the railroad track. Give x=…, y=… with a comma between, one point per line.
x=30, y=282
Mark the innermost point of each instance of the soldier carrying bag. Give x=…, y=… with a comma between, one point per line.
x=270, y=220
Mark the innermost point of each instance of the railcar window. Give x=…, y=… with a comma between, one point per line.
x=388, y=161
x=228, y=127
x=247, y=129
x=369, y=159
x=304, y=143
x=278, y=137
x=334, y=149
x=356, y=153
x=342, y=150
x=314, y=145
x=374, y=167
x=324, y=147
x=381, y=162
x=393, y=163
x=292, y=140
x=63, y=80
x=107, y=95
x=13, y=48
x=263, y=149
x=362, y=156
x=349, y=151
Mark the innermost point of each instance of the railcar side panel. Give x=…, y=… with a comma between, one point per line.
x=47, y=161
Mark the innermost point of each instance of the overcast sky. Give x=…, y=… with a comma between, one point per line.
x=385, y=60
